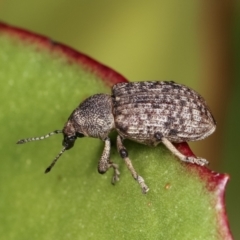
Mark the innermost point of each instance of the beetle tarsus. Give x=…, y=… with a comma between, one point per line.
x=144, y=187
x=197, y=160
x=104, y=163
x=116, y=174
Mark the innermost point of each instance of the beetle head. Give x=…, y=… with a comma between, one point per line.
x=70, y=135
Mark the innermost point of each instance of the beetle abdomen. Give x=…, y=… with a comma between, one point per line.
x=174, y=111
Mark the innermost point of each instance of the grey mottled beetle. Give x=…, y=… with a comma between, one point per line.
x=146, y=112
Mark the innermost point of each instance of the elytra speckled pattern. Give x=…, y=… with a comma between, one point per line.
x=142, y=109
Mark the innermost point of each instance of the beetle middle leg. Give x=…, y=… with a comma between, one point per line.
x=124, y=154
x=196, y=160
x=104, y=163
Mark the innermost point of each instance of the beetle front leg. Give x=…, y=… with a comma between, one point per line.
x=171, y=147
x=124, y=154
x=104, y=163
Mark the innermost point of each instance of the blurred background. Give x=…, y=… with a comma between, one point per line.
x=196, y=43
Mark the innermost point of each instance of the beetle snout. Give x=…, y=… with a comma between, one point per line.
x=68, y=141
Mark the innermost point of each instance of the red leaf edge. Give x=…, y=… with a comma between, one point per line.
x=215, y=183
x=109, y=76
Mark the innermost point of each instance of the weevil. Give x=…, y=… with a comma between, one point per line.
x=149, y=113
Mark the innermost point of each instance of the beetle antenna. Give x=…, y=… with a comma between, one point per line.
x=55, y=160
x=38, y=138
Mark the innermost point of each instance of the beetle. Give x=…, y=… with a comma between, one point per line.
x=149, y=113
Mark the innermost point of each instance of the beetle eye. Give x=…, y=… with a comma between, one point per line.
x=79, y=135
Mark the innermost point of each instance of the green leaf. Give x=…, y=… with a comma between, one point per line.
x=41, y=84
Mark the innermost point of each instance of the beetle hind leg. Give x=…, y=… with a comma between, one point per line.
x=104, y=163
x=196, y=160
x=124, y=154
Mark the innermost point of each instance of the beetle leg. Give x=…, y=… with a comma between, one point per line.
x=124, y=154
x=104, y=163
x=196, y=160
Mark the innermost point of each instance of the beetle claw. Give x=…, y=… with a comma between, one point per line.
x=115, y=177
